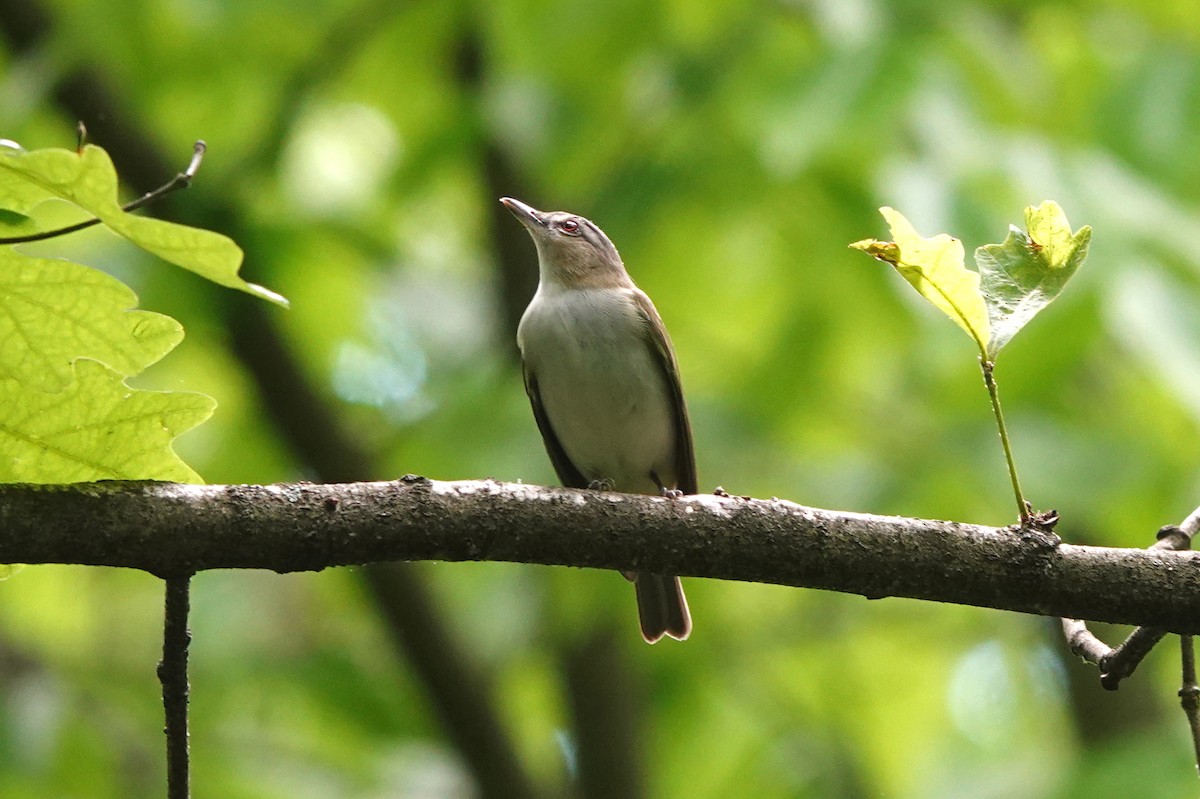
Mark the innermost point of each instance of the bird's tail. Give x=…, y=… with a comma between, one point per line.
x=662, y=607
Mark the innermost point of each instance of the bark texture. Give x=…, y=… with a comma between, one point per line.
x=170, y=530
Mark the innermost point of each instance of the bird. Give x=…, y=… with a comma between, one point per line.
x=602, y=378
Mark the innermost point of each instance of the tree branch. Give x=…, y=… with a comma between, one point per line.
x=1118, y=663
x=172, y=530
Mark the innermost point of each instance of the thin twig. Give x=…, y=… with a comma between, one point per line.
x=1122, y=661
x=1115, y=664
x=180, y=181
x=1189, y=527
x=1083, y=643
x=172, y=673
x=1189, y=693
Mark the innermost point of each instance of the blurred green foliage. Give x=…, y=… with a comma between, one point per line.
x=731, y=150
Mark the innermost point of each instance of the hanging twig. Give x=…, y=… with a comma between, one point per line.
x=180, y=181
x=1189, y=693
x=172, y=673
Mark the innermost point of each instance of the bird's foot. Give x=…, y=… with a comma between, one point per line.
x=603, y=484
x=670, y=493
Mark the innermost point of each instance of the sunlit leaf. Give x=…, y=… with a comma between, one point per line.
x=53, y=312
x=88, y=179
x=97, y=428
x=935, y=267
x=1021, y=276
x=20, y=190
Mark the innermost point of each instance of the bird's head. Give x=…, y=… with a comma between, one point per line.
x=572, y=251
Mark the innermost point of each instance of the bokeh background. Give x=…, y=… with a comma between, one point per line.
x=731, y=149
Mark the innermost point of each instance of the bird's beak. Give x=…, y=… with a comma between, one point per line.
x=530, y=217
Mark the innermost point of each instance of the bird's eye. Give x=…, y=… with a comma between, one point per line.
x=570, y=227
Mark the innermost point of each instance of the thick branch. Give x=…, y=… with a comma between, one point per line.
x=1119, y=663
x=170, y=530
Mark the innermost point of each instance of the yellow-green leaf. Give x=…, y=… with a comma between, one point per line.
x=1024, y=274
x=936, y=268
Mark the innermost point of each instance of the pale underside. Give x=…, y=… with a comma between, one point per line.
x=602, y=387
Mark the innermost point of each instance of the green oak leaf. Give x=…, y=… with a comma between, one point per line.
x=53, y=312
x=936, y=268
x=1028, y=270
x=87, y=179
x=96, y=428
x=18, y=193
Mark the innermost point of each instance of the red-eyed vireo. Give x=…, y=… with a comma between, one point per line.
x=601, y=376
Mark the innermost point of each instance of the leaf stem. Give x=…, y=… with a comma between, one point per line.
x=989, y=380
x=180, y=181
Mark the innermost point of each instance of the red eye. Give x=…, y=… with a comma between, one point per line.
x=570, y=226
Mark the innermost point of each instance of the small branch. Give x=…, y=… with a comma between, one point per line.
x=1115, y=664
x=989, y=380
x=172, y=673
x=1189, y=693
x=169, y=529
x=180, y=181
x=1188, y=528
x=1122, y=661
x=1083, y=643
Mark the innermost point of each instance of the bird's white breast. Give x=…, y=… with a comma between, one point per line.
x=601, y=384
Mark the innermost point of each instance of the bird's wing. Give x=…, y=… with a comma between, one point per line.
x=568, y=475
x=664, y=354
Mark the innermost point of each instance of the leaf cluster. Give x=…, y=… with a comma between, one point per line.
x=71, y=335
x=1015, y=279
